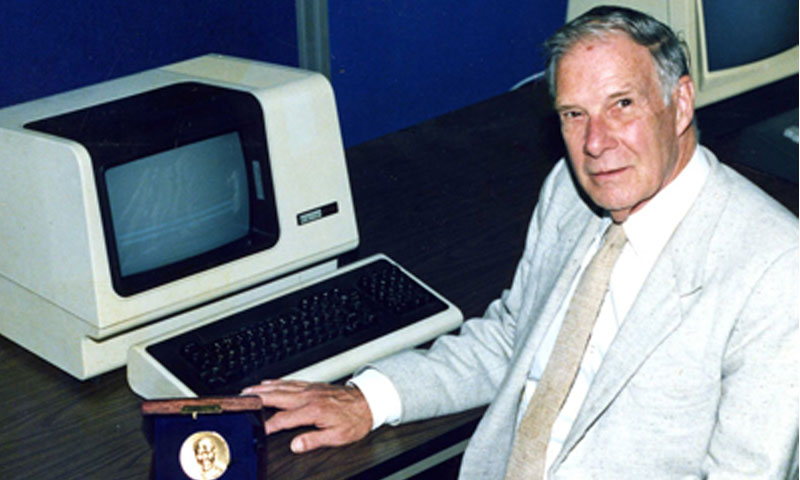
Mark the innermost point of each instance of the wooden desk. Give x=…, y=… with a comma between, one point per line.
x=449, y=199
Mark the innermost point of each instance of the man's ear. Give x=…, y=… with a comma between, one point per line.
x=683, y=97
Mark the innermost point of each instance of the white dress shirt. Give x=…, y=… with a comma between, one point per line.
x=647, y=230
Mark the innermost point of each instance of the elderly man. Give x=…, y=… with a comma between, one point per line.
x=651, y=327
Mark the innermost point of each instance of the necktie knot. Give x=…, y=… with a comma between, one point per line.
x=615, y=236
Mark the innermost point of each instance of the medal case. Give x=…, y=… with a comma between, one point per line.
x=174, y=428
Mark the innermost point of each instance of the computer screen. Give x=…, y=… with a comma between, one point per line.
x=173, y=182
x=740, y=32
x=178, y=204
x=156, y=201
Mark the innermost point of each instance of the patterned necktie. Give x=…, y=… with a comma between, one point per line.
x=527, y=460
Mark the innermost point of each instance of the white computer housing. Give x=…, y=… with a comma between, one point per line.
x=73, y=292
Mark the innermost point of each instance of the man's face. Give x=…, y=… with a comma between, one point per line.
x=622, y=140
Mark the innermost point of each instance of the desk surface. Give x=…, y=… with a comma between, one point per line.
x=449, y=199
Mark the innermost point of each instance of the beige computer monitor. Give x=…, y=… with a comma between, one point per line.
x=56, y=293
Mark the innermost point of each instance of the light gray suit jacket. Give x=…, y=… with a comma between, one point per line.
x=701, y=379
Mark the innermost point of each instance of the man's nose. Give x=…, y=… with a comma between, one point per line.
x=599, y=137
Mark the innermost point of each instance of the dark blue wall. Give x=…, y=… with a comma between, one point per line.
x=394, y=63
x=48, y=46
x=397, y=62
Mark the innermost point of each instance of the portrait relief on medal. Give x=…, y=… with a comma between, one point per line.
x=204, y=456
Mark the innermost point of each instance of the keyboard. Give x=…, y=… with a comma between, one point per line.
x=322, y=331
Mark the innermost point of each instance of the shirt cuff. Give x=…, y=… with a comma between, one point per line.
x=382, y=397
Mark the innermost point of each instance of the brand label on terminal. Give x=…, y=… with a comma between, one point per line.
x=317, y=213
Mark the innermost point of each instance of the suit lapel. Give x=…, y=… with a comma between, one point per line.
x=647, y=324
x=579, y=233
x=575, y=234
x=657, y=311
x=495, y=432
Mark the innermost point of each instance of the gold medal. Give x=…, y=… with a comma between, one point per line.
x=204, y=455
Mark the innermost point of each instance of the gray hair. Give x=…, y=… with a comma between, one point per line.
x=668, y=52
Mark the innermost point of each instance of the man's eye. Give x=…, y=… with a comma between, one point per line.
x=624, y=102
x=571, y=115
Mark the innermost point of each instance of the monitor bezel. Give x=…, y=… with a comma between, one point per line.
x=722, y=83
x=151, y=122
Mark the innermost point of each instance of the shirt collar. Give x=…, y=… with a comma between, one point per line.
x=649, y=229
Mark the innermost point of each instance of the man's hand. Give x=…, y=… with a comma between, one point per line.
x=340, y=413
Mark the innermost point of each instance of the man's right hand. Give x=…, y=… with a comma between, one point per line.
x=340, y=413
